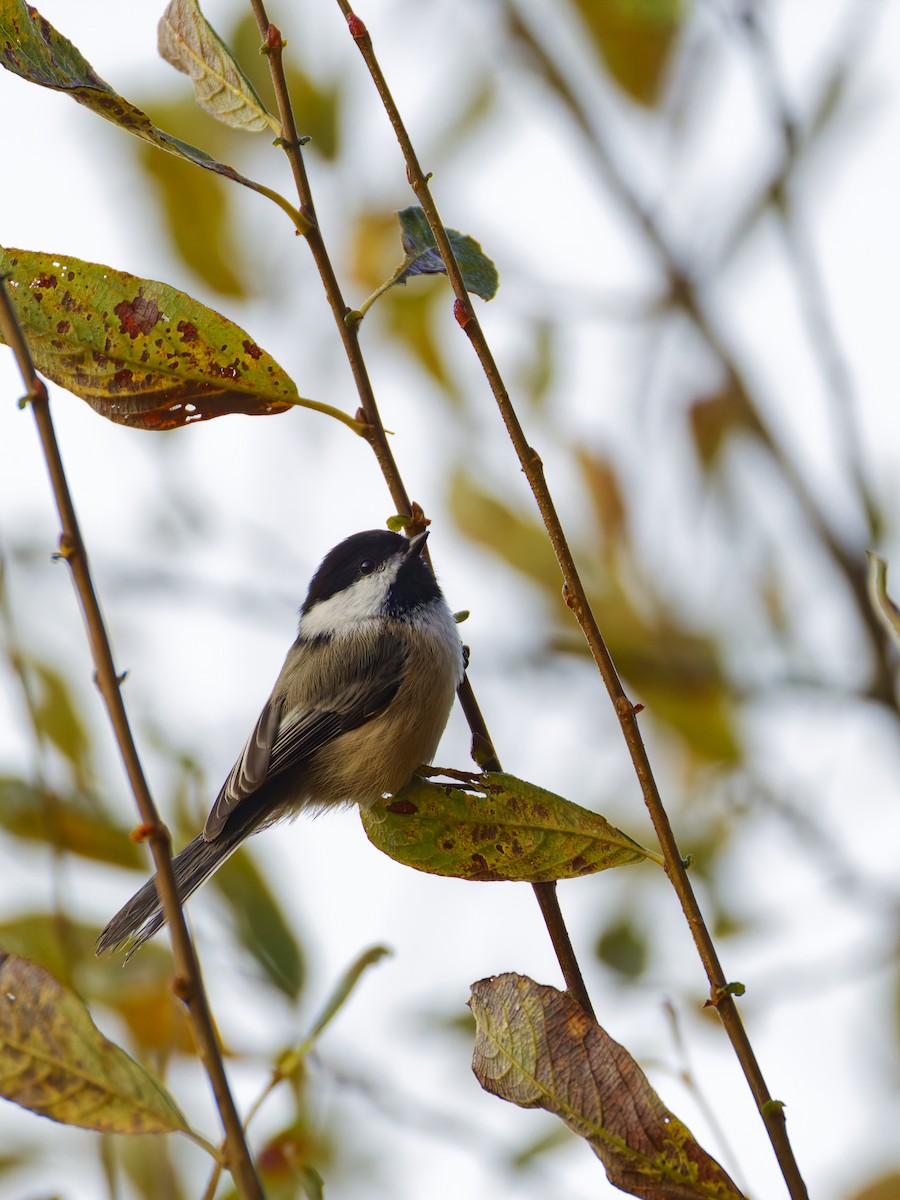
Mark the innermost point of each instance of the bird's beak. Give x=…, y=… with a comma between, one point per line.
x=417, y=543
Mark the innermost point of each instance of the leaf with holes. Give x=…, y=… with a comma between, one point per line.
x=31, y=48
x=498, y=828
x=55, y=1062
x=536, y=1047
x=189, y=43
x=139, y=352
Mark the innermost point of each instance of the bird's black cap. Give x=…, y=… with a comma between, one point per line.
x=364, y=553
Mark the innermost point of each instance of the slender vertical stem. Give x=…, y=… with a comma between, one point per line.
x=576, y=598
x=189, y=985
x=273, y=46
x=545, y=893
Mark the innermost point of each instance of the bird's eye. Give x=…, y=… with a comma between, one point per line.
x=367, y=566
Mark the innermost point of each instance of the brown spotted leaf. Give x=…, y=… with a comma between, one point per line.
x=141, y=353
x=536, y=1047
x=55, y=1062
x=31, y=48
x=497, y=828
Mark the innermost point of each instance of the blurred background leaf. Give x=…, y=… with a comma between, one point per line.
x=635, y=40
x=259, y=924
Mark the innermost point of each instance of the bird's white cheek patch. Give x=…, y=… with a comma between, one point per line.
x=362, y=601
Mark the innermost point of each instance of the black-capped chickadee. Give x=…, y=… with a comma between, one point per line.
x=361, y=701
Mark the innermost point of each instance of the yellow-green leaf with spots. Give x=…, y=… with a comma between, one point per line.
x=140, y=352
x=55, y=1062
x=496, y=827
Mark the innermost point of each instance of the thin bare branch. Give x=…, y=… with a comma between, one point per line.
x=189, y=982
x=576, y=598
x=273, y=47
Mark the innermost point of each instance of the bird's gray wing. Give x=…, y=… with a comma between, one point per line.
x=285, y=736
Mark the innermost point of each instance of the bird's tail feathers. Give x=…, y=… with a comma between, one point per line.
x=142, y=916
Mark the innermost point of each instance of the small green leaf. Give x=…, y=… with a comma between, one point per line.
x=140, y=352
x=423, y=257
x=732, y=989
x=189, y=43
x=537, y=1048
x=292, y=1059
x=31, y=48
x=501, y=829
x=55, y=1062
x=344, y=988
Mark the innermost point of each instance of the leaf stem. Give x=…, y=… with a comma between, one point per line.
x=385, y=287
x=273, y=46
x=577, y=600
x=301, y=223
x=359, y=427
x=189, y=983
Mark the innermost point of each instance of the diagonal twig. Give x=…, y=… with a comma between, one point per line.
x=273, y=46
x=576, y=598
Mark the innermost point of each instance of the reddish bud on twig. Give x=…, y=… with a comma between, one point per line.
x=356, y=27
x=36, y=395
x=274, y=41
x=67, y=547
x=181, y=989
x=149, y=830
x=418, y=522
x=462, y=313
